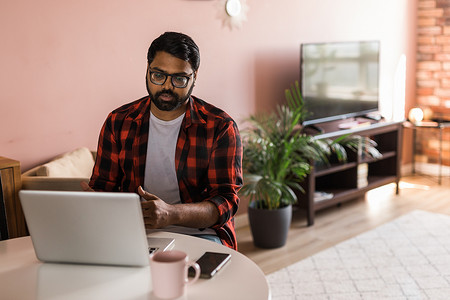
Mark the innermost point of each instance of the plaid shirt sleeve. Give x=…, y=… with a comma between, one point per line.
x=225, y=177
x=105, y=176
x=121, y=150
x=209, y=164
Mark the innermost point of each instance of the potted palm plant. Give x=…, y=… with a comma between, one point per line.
x=277, y=158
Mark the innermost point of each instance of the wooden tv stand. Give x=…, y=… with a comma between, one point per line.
x=340, y=182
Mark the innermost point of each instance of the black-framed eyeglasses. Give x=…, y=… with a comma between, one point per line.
x=178, y=81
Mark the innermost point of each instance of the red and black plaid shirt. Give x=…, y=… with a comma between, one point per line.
x=208, y=157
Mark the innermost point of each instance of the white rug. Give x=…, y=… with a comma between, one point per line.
x=408, y=258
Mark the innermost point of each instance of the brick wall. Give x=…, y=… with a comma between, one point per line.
x=433, y=74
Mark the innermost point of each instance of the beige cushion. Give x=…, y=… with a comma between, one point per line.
x=78, y=163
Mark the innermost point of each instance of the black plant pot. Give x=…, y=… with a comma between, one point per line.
x=269, y=227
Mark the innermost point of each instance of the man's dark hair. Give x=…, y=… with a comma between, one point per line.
x=177, y=44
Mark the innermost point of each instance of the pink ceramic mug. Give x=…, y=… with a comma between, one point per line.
x=169, y=272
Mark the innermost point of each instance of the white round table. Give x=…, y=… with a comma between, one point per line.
x=23, y=277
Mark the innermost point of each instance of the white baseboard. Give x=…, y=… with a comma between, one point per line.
x=425, y=168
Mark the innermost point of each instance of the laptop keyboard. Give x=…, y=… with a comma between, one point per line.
x=152, y=250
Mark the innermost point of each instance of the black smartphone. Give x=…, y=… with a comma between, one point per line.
x=210, y=263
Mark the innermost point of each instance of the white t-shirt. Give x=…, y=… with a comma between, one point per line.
x=160, y=173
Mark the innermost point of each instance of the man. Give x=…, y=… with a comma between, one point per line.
x=180, y=154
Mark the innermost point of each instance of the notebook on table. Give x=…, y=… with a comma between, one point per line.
x=89, y=228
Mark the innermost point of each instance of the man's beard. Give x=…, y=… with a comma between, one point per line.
x=173, y=104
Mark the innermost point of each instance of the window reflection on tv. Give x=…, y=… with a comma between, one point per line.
x=339, y=80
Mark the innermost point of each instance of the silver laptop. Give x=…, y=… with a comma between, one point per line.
x=89, y=228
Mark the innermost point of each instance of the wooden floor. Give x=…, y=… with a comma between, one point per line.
x=337, y=224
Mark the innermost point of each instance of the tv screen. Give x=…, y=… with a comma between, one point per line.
x=339, y=80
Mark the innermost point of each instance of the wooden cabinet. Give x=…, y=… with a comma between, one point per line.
x=12, y=221
x=339, y=182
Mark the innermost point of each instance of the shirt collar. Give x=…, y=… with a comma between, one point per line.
x=193, y=114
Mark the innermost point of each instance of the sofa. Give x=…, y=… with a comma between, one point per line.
x=63, y=173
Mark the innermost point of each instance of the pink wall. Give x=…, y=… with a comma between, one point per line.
x=66, y=64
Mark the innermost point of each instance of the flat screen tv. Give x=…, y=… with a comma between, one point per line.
x=339, y=80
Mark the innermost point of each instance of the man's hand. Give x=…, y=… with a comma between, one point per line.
x=156, y=212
